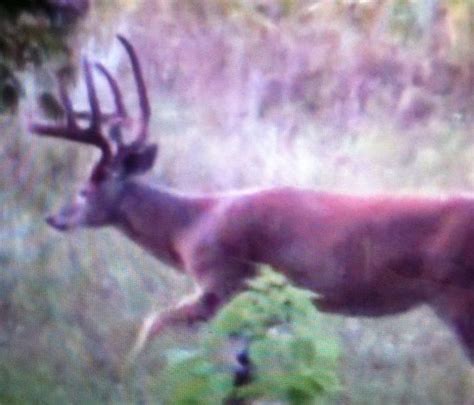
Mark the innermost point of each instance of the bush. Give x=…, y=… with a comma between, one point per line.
x=269, y=342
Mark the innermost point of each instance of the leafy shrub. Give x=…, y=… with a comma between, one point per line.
x=269, y=342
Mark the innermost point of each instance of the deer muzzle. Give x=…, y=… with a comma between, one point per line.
x=56, y=223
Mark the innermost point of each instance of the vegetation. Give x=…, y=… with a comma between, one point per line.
x=349, y=96
x=31, y=33
x=269, y=342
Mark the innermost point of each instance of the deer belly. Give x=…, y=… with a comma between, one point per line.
x=359, y=272
x=376, y=286
x=311, y=267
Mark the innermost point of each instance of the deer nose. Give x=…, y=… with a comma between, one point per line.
x=52, y=221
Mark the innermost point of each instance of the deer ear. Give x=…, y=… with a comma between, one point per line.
x=141, y=161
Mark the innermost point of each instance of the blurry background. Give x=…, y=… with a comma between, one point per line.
x=351, y=96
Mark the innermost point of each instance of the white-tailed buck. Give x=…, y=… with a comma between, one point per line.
x=368, y=256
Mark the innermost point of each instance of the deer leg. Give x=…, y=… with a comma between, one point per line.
x=456, y=308
x=220, y=282
x=200, y=306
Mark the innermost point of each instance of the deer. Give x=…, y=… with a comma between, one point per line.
x=363, y=255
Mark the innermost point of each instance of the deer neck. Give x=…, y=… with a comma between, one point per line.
x=154, y=218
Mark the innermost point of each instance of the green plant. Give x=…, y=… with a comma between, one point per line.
x=268, y=342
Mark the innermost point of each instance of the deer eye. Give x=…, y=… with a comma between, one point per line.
x=85, y=193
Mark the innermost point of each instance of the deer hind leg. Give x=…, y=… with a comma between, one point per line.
x=457, y=310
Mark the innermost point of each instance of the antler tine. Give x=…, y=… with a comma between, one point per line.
x=118, y=99
x=120, y=113
x=142, y=93
x=67, y=104
x=95, y=124
x=93, y=133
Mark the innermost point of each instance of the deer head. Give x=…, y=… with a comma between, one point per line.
x=95, y=203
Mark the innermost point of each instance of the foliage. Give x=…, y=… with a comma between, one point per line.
x=291, y=356
x=32, y=32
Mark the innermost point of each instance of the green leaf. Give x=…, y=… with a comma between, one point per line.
x=292, y=356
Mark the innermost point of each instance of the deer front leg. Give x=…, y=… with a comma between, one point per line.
x=200, y=306
x=222, y=280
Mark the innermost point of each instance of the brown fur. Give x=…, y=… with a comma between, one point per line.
x=368, y=256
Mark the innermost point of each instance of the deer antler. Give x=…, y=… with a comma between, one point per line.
x=93, y=134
